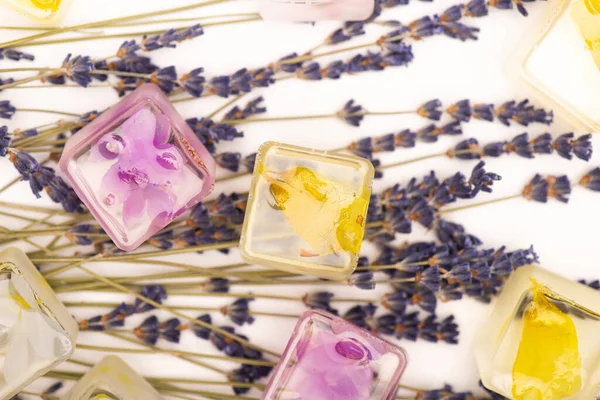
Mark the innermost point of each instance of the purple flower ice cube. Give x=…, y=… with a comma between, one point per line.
x=328, y=358
x=138, y=166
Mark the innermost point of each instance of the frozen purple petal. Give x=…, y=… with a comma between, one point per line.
x=160, y=204
x=107, y=148
x=169, y=160
x=163, y=131
x=335, y=369
x=352, y=350
x=134, y=177
x=134, y=207
x=141, y=126
x=113, y=190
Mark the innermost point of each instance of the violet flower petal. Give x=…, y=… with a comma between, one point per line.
x=163, y=131
x=160, y=204
x=335, y=368
x=113, y=190
x=107, y=148
x=134, y=207
x=138, y=132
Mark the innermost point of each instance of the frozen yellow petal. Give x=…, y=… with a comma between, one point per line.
x=351, y=224
x=548, y=363
x=47, y=5
x=586, y=14
x=324, y=212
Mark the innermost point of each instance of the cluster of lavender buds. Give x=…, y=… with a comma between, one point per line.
x=219, y=221
x=406, y=138
x=521, y=112
x=40, y=177
x=252, y=108
x=150, y=330
x=398, y=207
x=541, y=189
x=116, y=317
x=212, y=133
x=591, y=180
x=461, y=111
x=565, y=146
x=7, y=110
x=15, y=55
x=424, y=273
x=247, y=373
x=404, y=326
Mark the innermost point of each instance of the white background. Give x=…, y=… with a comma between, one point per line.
x=564, y=235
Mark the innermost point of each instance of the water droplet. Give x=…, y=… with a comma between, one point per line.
x=109, y=200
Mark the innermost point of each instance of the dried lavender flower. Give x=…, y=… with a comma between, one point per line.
x=15, y=55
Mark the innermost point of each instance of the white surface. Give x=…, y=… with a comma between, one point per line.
x=564, y=235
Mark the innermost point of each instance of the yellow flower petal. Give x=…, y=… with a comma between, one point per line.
x=548, y=363
x=324, y=212
x=47, y=5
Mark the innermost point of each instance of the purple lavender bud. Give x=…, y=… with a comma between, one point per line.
x=7, y=110
x=452, y=14
x=559, y=188
x=461, y=111
x=476, y=9
x=484, y=112
x=431, y=110
x=193, y=82
x=460, y=31
x=591, y=180
x=229, y=161
x=536, y=189
x=495, y=149
x=352, y=113
x=5, y=141
x=310, y=71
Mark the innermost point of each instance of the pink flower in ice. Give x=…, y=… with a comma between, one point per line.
x=332, y=368
x=147, y=167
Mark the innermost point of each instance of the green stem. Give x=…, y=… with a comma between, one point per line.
x=272, y=119
x=483, y=203
x=44, y=149
x=80, y=363
x=185, y=308
x=130, y=34
x=141, y=255
x=26, y=69
x=22, y=41
x=120, y=73
x=23, y=81
x=225, y=105
x=309, y=57
x=162, y=384
x=412, y=160
x=317, y=116
x=46, y=134
x=25, y=207
x=163, y=351
x=180, y=352
x=176, y=313
x=81, y=284
x=450, y=153
x=171, y=20
x=232, y=176
x=208, y=294
x=141, y=23
x=391, y=266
